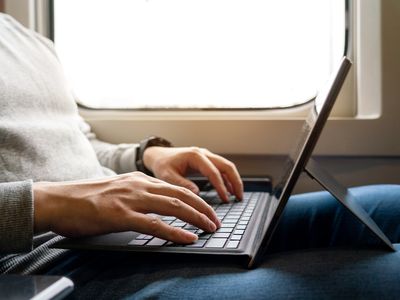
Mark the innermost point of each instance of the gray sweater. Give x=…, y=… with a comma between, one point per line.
x=42, y=138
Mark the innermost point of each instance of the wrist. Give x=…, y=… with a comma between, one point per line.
x=40, y=214
x=151, y=142
x=150, y=156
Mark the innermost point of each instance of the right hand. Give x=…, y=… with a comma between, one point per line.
x=119, y=203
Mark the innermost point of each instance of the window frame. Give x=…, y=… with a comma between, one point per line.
x=348, y=131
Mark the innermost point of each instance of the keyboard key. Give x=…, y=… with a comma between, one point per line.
x=233, y=214
x=205, y=235
x=211, y=194
x=178, y=224
x=231, y=220
x=221, y=235
x=243, y=222
x=246, y=196
x=156, y=242
x=168, y=218
x=242, y=227
x=233, y=198
x=237, y=210
x=144, y=237
x=232, y=244
x=216, y=243
x=236, y=237
x=222, y=210
x=197, y=244
x=225, y=230
x=238, y=231
x=227, y=225
x=137, y=242
x=190, y=227
x=244, y=218
x=202, y=194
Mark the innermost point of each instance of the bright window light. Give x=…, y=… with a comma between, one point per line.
x=198, y=53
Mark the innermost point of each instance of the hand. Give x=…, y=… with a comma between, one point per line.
x=119, y=203
x=172, y=164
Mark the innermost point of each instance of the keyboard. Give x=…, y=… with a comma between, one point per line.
x=235, y=217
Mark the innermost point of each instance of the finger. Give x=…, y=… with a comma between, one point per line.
x=175, y=178
x=208, y=169
x=228, y=184
x=229, y=169
x=169, y=206
x=187, y=197
x=154, y=226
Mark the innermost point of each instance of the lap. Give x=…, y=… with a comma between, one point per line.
x=345, y=273
x=318, y=220
x=310, y=221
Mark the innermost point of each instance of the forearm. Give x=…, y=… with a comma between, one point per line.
x=119, y=158
x=16, y=217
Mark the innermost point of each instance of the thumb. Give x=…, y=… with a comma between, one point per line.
x=177, y=179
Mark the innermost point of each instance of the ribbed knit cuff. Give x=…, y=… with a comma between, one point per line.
x=127, y=157
x=16, y=217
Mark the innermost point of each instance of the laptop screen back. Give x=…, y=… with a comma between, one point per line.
x=300, y=154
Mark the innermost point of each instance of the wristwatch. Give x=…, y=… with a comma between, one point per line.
x=144, y=144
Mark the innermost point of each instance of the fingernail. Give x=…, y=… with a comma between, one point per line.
x=241, y=194
x=191, y=236
x=226, y=196
x=212, y=226
x=218, y=221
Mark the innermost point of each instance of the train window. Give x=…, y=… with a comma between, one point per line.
x=198, y=54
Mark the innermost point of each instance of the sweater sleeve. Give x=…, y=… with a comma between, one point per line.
x=120, y=158
x=16, y=217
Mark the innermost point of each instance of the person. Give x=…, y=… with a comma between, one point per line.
x=58, y=179
x=44, y=141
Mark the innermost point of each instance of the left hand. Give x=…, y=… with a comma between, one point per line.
x=172, y=164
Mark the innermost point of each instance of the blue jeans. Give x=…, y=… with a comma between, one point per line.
x=318, y=251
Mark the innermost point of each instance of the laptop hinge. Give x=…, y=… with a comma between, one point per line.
x=343, y=195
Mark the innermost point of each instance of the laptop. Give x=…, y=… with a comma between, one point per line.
x=248, y=225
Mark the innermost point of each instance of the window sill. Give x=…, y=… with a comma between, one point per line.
x=245, y=134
